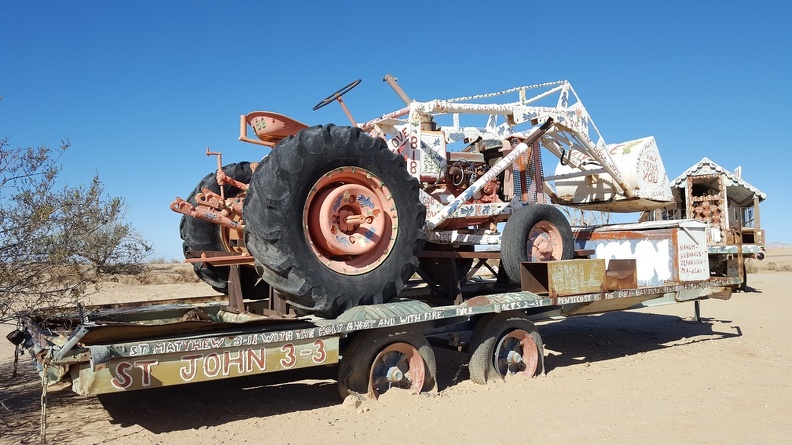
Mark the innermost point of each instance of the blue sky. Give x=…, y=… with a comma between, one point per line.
x=140, y=89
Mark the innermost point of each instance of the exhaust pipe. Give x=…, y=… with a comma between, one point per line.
x=399, y=91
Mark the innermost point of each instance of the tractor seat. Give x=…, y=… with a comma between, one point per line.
x=272, y=127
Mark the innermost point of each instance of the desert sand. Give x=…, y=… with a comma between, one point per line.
x=650, y=376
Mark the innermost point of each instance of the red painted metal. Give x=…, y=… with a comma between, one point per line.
x=398, y=365
x=350, y=220
x=516, y=354
x=545, y=242
x=273, y=127
x=205, y=213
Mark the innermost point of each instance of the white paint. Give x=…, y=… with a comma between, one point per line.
x=652, y=257
x=671, y=251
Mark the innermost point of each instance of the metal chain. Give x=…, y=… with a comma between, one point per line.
x=16, y=361
x=455, y=380
x=510, y=90
x=43, y=421
x=17, y=348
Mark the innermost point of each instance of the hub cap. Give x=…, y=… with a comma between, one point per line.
x=350, y=220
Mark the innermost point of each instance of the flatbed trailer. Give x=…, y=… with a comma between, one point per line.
x=143, y=345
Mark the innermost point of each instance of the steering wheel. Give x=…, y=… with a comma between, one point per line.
x=336, y=95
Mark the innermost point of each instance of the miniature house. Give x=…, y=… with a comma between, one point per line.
x=709, y=193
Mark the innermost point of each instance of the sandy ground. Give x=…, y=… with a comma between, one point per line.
x=648, y=376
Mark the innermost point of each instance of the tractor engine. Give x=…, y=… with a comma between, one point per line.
x=459, y=176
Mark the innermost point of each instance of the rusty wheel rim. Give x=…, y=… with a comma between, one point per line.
x=516, y=354
x=350, y=220
x=398, y=365
x=544, y=242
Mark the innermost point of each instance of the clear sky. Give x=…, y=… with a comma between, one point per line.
x=141, y=88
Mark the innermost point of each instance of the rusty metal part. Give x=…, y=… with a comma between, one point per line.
x=270, y=128
x=210, y=199
x=392, y=81
x=565, y=277
x=545, y=242
x=16, y=337
x=226, y=213
x=205, y=213
x=223, y=179
x=230, y=207
x=215, y=208
x=489, y=193
x=398, y=365
x=222, y=259
x=350, y=220
x=516, y=354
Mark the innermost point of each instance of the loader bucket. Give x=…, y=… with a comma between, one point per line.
x=642, y=169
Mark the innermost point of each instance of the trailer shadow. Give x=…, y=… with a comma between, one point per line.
x=617, y=334
x=207, y=404
x=593, y=338
x=19, y=402
x=175, y=408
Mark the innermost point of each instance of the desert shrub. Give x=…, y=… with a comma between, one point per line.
x=49, y=234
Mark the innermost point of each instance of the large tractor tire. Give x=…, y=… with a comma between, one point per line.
x=538, y=232
x=200, y=236
x=334, y=220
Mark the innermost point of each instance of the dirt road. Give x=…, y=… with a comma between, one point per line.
x=647, y=376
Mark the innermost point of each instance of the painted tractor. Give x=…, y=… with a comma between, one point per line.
x=341, y=216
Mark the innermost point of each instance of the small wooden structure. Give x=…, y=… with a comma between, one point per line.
x=709, y=193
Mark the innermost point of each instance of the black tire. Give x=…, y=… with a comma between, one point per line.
x=440, y=270
x=744, y=285
x=515, y=242
x=273, y=212
x=355, y=370
x=199, y=236
x=487, y=336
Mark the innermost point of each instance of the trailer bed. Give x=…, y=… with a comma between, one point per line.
x=122, y=347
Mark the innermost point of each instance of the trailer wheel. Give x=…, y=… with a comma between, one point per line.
x=533, y=233
x=379, y=360
x=505, y=344
x=334, y=220
x=199, y=236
